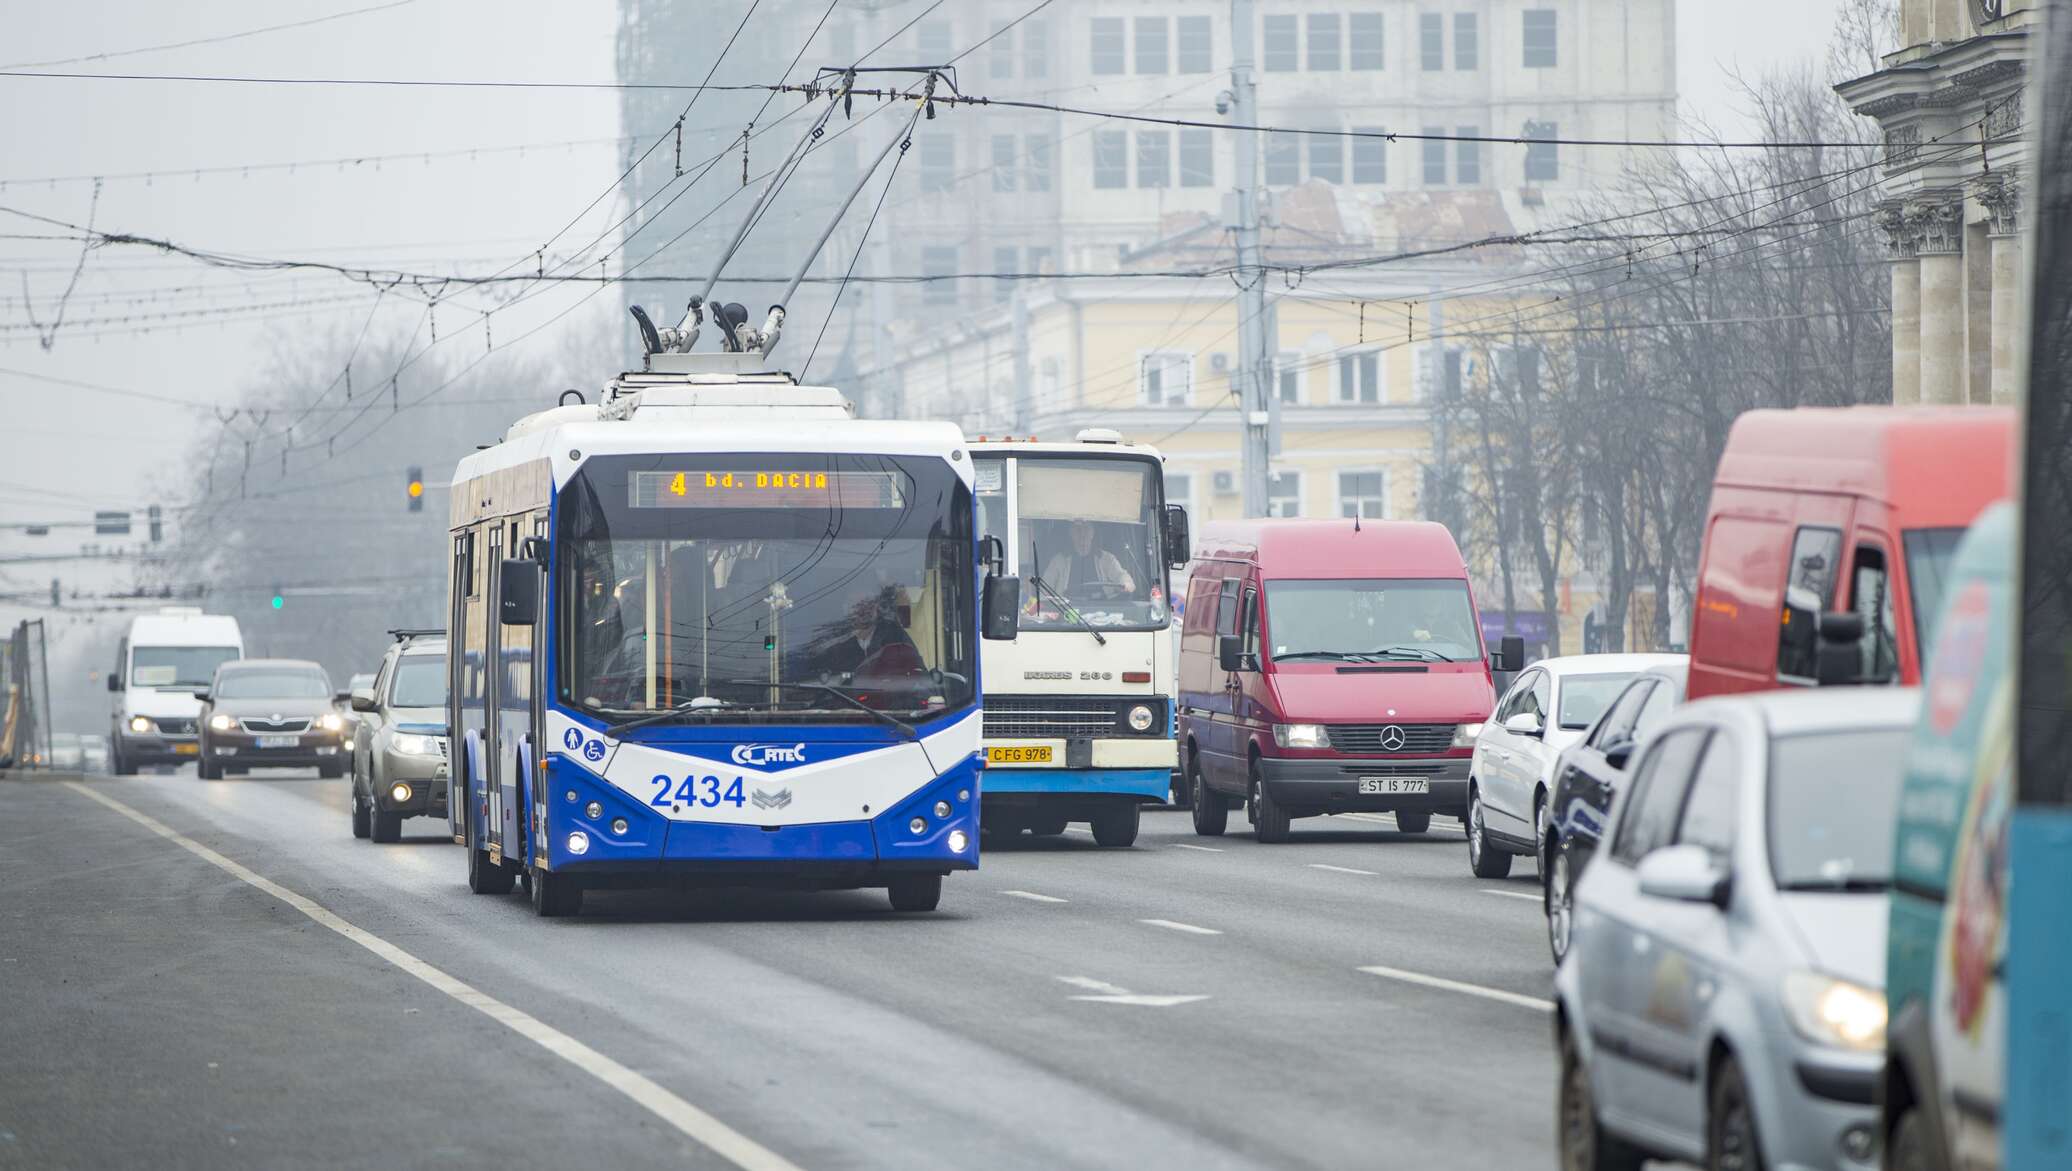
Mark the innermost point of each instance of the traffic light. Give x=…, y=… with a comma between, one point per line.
x=157, y=525
x=278, y=599
x=415, y=489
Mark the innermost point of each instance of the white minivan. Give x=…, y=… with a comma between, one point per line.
x=162, y=660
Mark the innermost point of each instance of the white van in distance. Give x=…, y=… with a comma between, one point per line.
x=163, y=659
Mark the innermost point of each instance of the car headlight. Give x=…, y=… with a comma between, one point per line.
x=412, y=744
x=331, y=722
x=1301, y=736
x=141, y=724
x=1828, y=1011
x=1141, y=717
x=1464, y=735
x=221, y=722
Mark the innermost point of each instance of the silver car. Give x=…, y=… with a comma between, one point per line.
x=399, y=743
x=1722, y=999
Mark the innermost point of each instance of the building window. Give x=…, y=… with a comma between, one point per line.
x=1003, y=162
x=1165, y=379
x=1280, y=55
x=1283, y=160
x=1437, y=372
x=1039, y=260
x=1000, y=51
x=1467, y=157
x=1542, y=163
x=1197, y=158
x=1467, y=42
x=1003, y=262
x=1105, y=53
x=1287, y=377
x=1434, y=156
x=939, y=263
x=1327, y=157
x=1538, y=38
x=933, y=39
x=1431, y=41
x=1365, y=40
x=1324, y=53
x=1284, y=494
x=1196, y=44
x=1035, y=49
x=1154, y=158
x=1111, y=159
x=1036, y=167
x=1359, y=377
x=938, y=161
x=1370, y=155
x=1153, y=55
x=1363, y=494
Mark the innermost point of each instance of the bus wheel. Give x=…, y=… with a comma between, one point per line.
x=553, y=895
x=486, y=877
x=1116, y=825
x=914, y=892
x=1048, y=826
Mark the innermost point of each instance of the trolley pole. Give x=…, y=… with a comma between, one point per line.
x=1254, y=373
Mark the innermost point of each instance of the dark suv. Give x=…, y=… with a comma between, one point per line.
x=270, y=713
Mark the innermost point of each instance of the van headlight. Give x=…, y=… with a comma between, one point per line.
x=1828, y=1011
x=1301, y=736
x=412, y=744
x=1464, y=735
x=141, y=724
x=221, y=722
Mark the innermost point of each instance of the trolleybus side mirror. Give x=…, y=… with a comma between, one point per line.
x=518, y=599
x=1002, y=608
x=533, y=549
x=1510, y=654
x=1178, y=541
x=992, y=555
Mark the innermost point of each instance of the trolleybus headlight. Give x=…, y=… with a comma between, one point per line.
x=1464, y=735
x=401, y=792
x=140, y=724
x=919, y=825
x=618, y=825
x=1140, y=718
x=221, y=723
x=578, y=842
x=331, y=722
x=942, y=809
x=594, y=810
x=958, y=840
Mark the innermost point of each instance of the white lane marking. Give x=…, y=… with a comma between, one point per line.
x=1192, y=846
x=1442, y=982
x=1511, y=894
x=1032, y=896
x=1189, y=928
x=1343, y=869
x=1107, y=993
x=700, y=1127
x=1093, y=985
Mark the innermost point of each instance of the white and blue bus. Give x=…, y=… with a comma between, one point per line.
x=736, y=638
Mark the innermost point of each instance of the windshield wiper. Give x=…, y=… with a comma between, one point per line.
x=1414, y=652
x=1349, y=656
x=685, y=708
x=838, y=693
x=1071, y=611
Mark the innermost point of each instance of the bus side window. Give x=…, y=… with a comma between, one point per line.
x=1870, y=594
x=1809, y=588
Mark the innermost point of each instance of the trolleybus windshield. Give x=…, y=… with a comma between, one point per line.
x=721, y=583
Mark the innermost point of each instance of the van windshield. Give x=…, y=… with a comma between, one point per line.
x=1931, y=555
x=177, y=666
x=1371, y=618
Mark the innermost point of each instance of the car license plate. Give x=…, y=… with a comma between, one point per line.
x=1027, y=754
x=279, y=742
x=186, y=749
x=1392, y=785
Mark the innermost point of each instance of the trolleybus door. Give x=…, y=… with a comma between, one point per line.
x=492, y=785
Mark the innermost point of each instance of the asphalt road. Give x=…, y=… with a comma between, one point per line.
x=1188, y=1003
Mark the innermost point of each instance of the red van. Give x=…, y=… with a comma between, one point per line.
x=1330, y=666
x=1829, y=539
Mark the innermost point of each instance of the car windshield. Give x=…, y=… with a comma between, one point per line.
x=284, y=683
x=1409, y=618
x=756, y=581
x=1086, y=534
x=420, y=681
x=1584, y=697
x=177, y=666
x=1931, y=555
x=1833, y=802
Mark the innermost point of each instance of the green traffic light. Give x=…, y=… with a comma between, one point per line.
x=279, y=601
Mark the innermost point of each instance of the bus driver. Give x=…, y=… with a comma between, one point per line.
x=1084, y=573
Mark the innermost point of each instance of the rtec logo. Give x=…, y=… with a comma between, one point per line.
x=761, y=754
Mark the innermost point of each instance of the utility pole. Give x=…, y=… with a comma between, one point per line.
x=1254, y=373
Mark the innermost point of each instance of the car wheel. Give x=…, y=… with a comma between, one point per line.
x=1911, y=1150
x=362, y=820
x=117, y=766
x=1269, y=820
x=1117, y=825
x=1583, y=1143
x=1561, y=893
x=1211, y=815
x=1413, y=822
x=330, y=772
x=1539, y=830
x=386, y=827
x=486, y=877
x=554, y=896
x=914, y=892
x=208, y=770
x=1731, y=1143
x=1484, y=859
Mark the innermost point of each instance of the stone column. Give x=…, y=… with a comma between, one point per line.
x=1940, y=221
x=2000, y=195
x=1906, y=305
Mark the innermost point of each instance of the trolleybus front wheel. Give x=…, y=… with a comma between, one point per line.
x=914, y=892
x=553, y=895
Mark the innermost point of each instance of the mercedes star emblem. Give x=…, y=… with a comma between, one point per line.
x=1393, y=739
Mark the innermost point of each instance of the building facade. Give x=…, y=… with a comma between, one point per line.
x=1949, y=104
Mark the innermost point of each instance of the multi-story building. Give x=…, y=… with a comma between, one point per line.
x=1949, y=103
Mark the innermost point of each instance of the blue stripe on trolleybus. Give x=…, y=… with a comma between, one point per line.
x=1141, y=782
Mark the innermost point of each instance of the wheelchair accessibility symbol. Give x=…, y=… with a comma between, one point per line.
x=594, y=750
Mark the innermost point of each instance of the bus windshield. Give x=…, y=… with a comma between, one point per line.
x=750, y=585
x=1086, y=534
x=1353, y=618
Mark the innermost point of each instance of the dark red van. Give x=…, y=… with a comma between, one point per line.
x=1330, y=666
